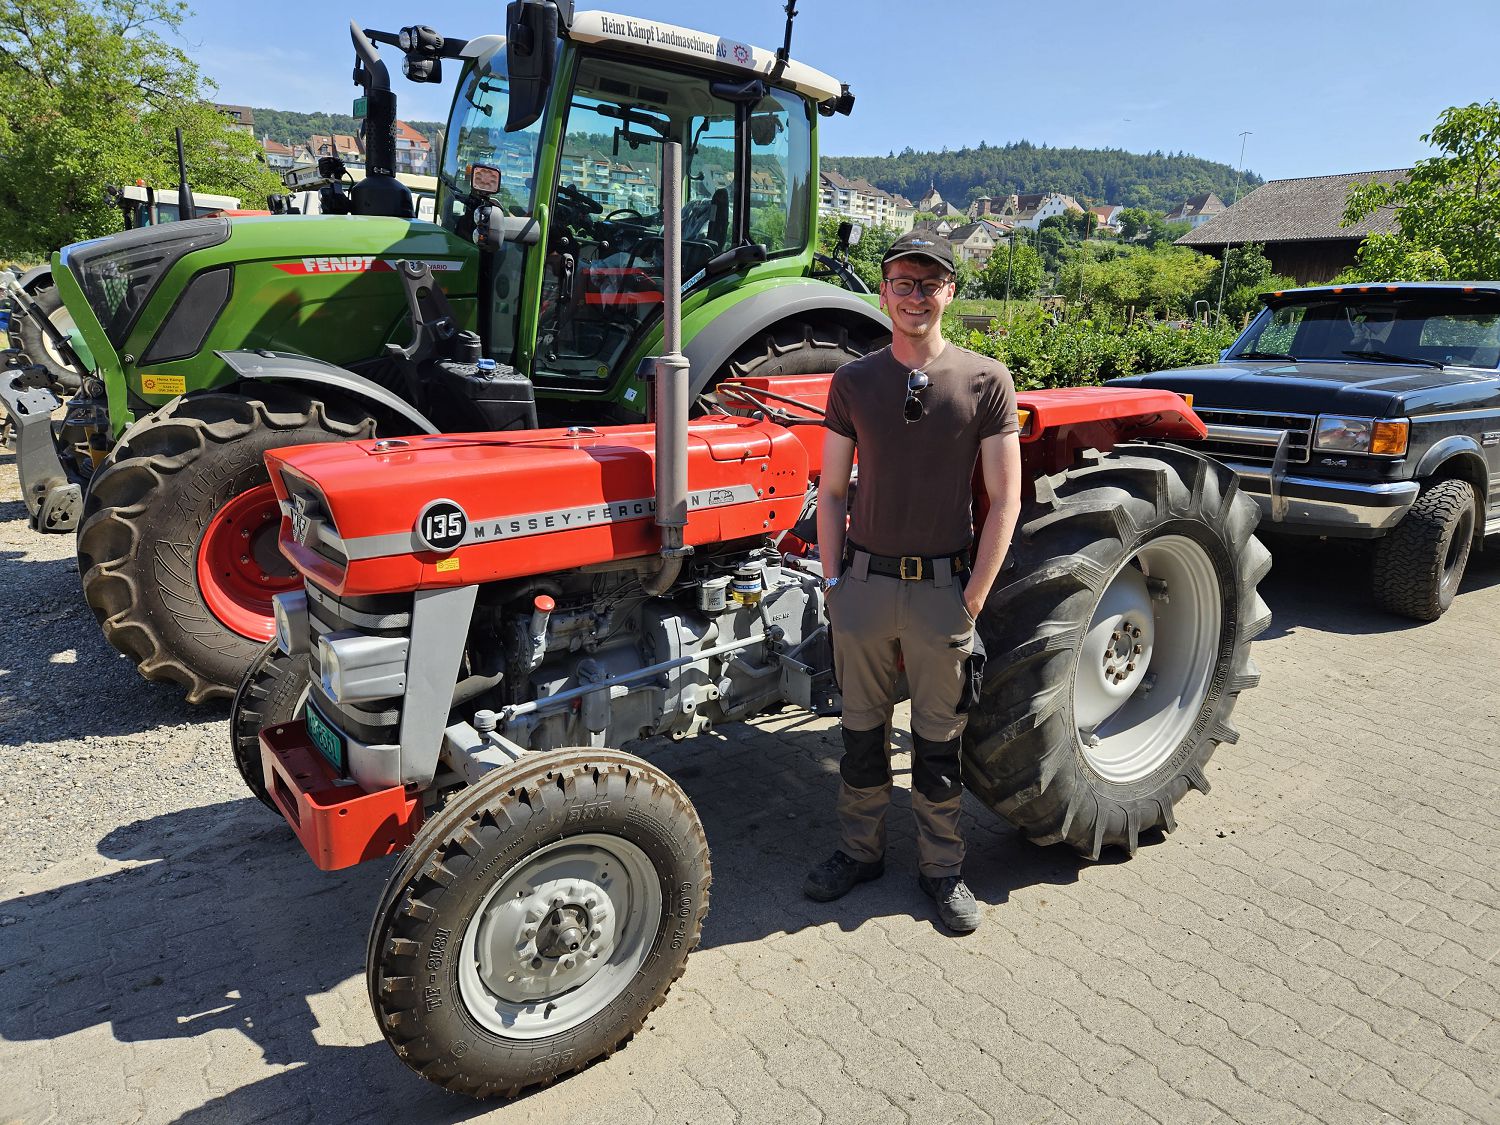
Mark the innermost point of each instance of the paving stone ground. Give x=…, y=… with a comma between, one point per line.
x=1317, y=941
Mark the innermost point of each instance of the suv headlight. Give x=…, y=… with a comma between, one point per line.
x=1338, y=433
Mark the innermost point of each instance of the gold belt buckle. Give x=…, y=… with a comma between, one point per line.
x=917, y=559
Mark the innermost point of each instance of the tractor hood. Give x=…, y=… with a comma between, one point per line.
x=1313, y=387
x=399, y=514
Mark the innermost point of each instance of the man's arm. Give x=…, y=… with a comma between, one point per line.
x=833, y=500
x=1000, y=462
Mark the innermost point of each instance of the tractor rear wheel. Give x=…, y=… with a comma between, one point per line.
x=797, y=348
x=177, y=547
x=31, y=339
x=1118, y=639
x=537, y=920
x=273, y=691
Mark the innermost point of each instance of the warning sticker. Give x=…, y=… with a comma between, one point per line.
x=361, y=263
x=445, y=565
x=163, y=384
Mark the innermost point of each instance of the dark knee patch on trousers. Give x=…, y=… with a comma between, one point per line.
x=935, y=770
x=867, y=761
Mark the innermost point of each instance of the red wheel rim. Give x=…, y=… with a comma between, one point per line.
x=240, y=567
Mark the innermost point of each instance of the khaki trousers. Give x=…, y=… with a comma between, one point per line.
x=877, y=622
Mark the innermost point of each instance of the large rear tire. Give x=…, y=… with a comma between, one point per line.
x=177, y=547
x=798, y=348
x=1118, y=640
x=537, y=920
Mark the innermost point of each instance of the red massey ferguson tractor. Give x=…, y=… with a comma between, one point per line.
x=485, y=617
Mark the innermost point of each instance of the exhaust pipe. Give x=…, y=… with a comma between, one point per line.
x=671, y=387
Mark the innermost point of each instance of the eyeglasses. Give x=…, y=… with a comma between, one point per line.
x=905, y=286
x=912, y=409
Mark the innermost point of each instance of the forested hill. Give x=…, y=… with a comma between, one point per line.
x=293, y=128
x=1092, y=176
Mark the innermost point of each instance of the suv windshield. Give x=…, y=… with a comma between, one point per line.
x=1437, y=326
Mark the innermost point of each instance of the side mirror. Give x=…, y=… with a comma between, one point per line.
x=530, y=54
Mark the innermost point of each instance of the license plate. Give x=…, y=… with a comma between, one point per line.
x=326, y=737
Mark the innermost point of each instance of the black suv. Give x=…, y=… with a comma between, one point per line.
x=1369, y=412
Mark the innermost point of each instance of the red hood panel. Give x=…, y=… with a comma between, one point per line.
x=534, y=502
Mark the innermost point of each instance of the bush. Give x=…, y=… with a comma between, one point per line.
x=1084, y=353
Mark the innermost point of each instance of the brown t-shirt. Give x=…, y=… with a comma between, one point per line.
x=914, y=495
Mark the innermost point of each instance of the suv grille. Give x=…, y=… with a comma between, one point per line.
x=1252, y=435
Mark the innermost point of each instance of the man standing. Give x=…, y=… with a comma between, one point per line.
x=920, y=413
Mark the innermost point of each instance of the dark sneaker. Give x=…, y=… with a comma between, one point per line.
x=955, y=902
x=839, y=874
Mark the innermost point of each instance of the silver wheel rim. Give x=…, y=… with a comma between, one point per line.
x=62, y=320
x=1147, y=658
x=559, y=936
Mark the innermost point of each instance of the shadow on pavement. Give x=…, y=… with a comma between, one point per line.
x=59, y=679
x=226, y=925
x=1325, y=585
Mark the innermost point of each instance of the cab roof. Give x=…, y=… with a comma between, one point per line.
x=668, y=40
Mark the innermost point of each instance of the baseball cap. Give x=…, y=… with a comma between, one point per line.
x=915, y=244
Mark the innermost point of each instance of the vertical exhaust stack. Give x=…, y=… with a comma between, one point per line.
x=671, y=386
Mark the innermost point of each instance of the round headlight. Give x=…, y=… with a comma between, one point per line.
x=404, y=39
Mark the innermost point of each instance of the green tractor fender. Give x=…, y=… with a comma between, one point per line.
x=720, y=329
x=317, y=378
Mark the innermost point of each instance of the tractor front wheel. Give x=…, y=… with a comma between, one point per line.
x=273, y=691
x=537, y=920
x=1118, y=639
x=177, y=547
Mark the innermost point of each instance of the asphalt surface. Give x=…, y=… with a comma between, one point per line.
x=1318, y=940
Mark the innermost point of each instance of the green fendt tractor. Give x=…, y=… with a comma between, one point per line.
x=214, y=340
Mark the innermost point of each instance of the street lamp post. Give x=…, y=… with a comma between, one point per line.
x=1228, y=225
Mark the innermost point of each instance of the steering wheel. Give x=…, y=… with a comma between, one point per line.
x=624, y=213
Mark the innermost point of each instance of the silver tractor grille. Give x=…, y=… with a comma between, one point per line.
x=1253, y=435
x=371, y=721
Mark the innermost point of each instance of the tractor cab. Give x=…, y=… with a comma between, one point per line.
x=553, y=161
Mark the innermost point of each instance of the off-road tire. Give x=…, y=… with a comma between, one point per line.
x=482, y=835
x=146, y=513
x=798, y=348
x=1023, y=752
x=273, y=691
x=31, y=339
x=1420, y=563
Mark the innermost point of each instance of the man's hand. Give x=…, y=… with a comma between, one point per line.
x=974, y=599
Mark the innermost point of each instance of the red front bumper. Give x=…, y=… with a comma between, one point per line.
x=339, y=823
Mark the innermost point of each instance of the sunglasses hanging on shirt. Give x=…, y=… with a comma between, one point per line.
x=912, y=409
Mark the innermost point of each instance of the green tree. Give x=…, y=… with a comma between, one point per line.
x=1250, y=275
x=1019, y=264
x=1447, y=210
x=90, y=93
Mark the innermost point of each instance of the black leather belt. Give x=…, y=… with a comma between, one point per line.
x=909, y=568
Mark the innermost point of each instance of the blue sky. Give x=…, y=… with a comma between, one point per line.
x=1323, y=86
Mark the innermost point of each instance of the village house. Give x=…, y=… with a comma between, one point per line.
x=1031, y=209
x=342, y=145
x=1298, y=222
x=413, y=151
x=241, y=117
x=862, y=201
x=279, y=157
x=1107, y=217
x=972, y=243
x=1197, y=210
